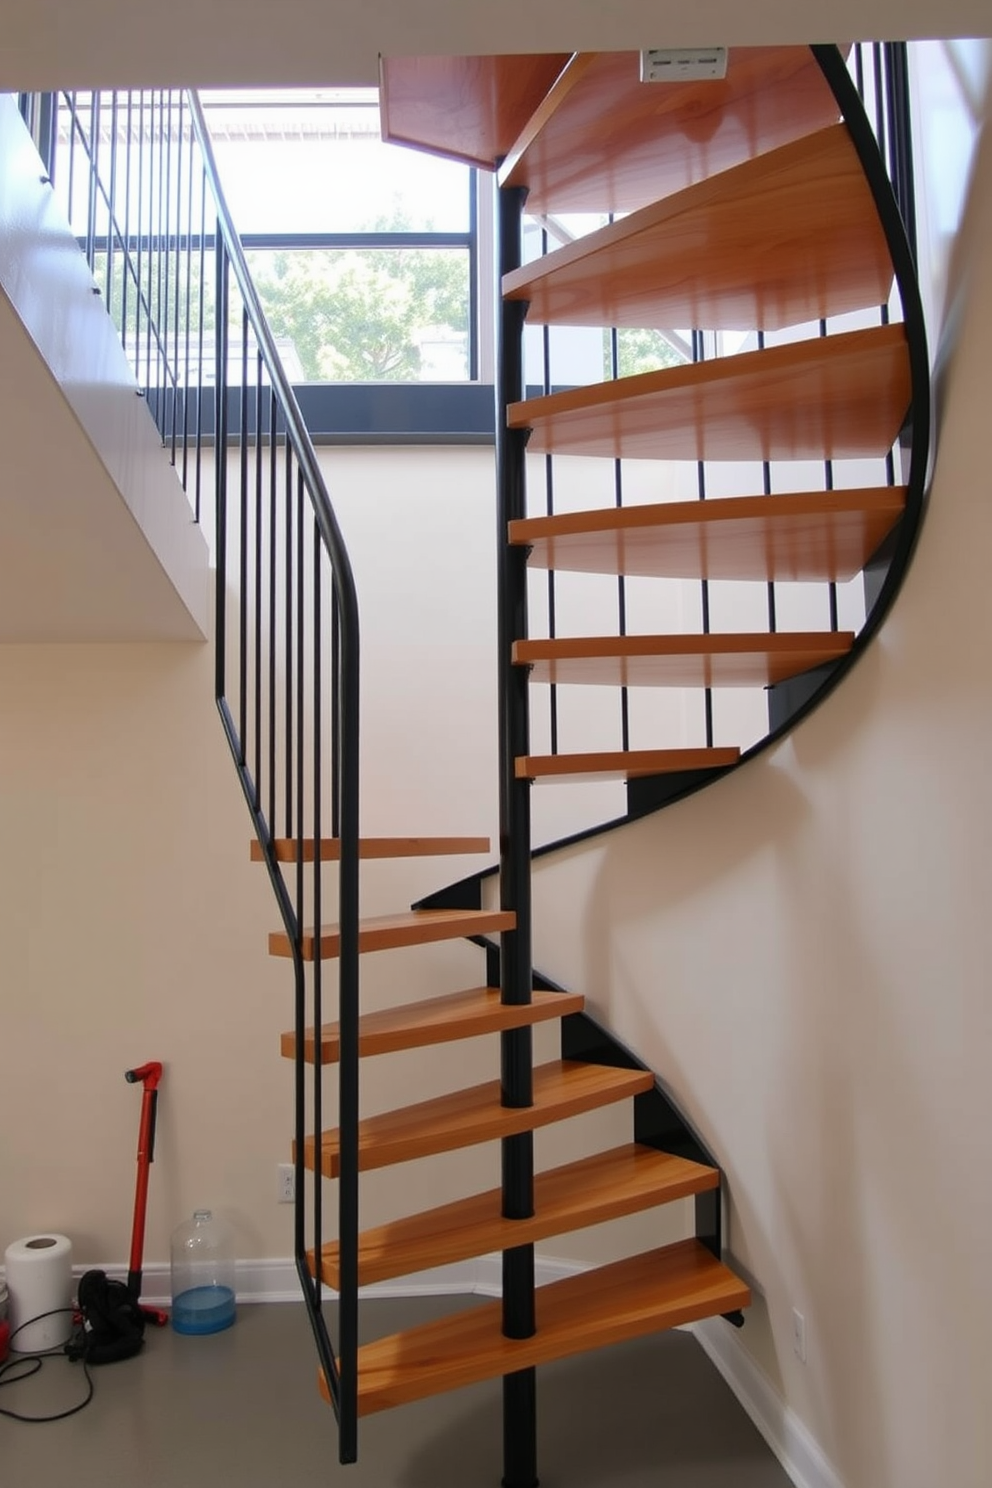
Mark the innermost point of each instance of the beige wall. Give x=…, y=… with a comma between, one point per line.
x=132, y=926
x=804, y=952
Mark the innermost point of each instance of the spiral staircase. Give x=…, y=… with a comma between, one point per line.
x=757, y=202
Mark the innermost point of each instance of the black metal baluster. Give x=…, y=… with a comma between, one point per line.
x=150, y=295
x=296, y=602
x=243, y=558
x=698, y=355
x=188, y=310
x=549, y=507
x=138, y=289
x=70, y=99
x=128, y=250
x=201, y=322
x=621, y=582
x=879, y=102
x=288, y=638
x=295, y=695
x=473, y=276
x=162, y=272
x=220, y=424
x=318, y=1013
x=299, y=593
x=348, y=982
x=335, y=714
x=162, y=308
x=257, y=547
x=766, y=486
x=828, y=481
x=897, y=92
x=166, y=249
x=91, y=193
x=881, y=134
x=175, y=236
x=273, y=618
x=111, y=203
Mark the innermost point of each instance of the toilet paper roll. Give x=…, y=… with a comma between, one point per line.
x=39, y=1281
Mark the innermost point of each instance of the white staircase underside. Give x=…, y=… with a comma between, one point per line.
x=97, y=541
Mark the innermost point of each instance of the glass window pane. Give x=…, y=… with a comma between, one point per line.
x=369, y=314
x=320, y=166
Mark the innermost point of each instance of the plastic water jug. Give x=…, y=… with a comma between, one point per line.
x=202, y=1275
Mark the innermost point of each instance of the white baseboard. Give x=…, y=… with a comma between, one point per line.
x=277, y=1281
x=796, y=1448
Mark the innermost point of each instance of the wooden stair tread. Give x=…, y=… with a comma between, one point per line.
x=437, y=1020
x=788, y=237
x=809, y=535
x=629, y=764
x=829, y=397
x=372, y=847
x=464, y=1118
x=676, y=1284
x=729, y=660
x=465, y=108
x=390, y=932
x=603, y=141
x=624, y=1180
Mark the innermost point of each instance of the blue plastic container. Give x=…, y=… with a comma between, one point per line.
x=202, y=1276
x=205, y=1309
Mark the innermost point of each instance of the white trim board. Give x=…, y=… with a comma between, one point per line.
x=794, y=1445
x=277, y=1281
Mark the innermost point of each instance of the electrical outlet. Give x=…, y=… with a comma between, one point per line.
x=286, y=1175
x=799, y=1334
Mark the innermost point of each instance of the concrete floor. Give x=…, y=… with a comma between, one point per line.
x=241, y=1408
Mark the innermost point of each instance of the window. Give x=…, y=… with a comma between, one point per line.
x=362, y=253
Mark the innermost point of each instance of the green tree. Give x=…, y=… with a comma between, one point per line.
x=638, y=351
x=360, y=315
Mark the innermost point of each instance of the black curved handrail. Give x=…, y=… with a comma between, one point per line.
x=340, y=1374
x=898, y=227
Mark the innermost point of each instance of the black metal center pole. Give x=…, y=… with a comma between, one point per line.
x=519, y=1389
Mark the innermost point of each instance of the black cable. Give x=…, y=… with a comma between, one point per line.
x=34, y=1362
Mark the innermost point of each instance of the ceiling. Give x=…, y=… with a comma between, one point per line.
x=127, y=43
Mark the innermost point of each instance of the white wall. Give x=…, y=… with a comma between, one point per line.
x=804, y=952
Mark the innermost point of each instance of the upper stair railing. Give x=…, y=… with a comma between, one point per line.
x=138, y=178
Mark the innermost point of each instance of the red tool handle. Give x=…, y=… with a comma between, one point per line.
x=149, y=1076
